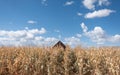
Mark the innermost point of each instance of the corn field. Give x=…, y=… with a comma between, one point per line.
x=48, y=61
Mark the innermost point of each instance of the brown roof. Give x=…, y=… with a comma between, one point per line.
x=59, y=44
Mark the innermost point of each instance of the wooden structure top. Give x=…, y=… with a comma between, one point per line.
x=59, y=44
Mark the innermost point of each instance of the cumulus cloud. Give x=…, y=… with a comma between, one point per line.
x=21, y=33
x=99, y=13
x=33, y=37
x=99, y=36
x=72, y=41
x=69, y=3
x=115, y=38
x=21, y=37
x=91, y=4
x=31, y=22
x=45, y=41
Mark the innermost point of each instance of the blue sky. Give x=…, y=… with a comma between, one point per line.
x=75, y=22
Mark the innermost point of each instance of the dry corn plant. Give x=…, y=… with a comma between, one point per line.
x=49, y=61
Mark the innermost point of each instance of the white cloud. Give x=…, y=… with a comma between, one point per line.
x=79, y=14
x=79, y=35
x=99, y=13
x=39, y=38
x=31, y=22
x=84, y=27
x=91, y=4
x=99, y=36
x=20, y=37
x=103, y=2
x=69, y=3
x=33, y=37
x=96, y=35
x=72, y=41
x=45, y=41
x=22, y=33
x=36, y=31
x=115, y=38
